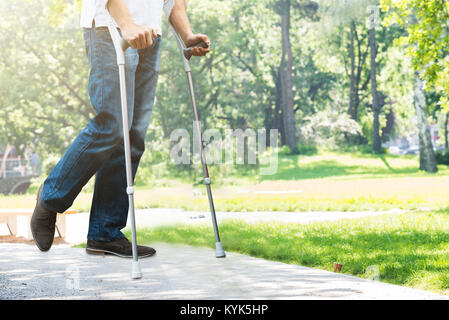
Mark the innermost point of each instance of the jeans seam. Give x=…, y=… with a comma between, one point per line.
x=100, y=54
x=100, y=218
x=90, y=44
x=100, y=213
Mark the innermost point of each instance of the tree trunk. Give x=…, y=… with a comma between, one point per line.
x=353, y=93
x=446, y=129
x=286, y=79
x=275, y=120
x=3, y=164
x=427, y=160
x=389, y=127
x=376, y=104
x=376, y=127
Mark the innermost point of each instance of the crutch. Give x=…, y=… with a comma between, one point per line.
x=186, y=55
x=120, y=46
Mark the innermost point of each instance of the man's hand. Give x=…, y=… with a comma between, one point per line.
x=138, y=37
x=178, y=19
x=195, y=39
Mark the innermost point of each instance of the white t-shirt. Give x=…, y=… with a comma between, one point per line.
x=143, y=12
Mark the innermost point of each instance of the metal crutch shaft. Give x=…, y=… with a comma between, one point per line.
x=185, y=54
x=120, y=46
x=207, y=181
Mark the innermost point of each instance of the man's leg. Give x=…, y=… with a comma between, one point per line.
x=109, y=210
x=95, y=144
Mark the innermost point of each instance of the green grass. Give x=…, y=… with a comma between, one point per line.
x=408, y=249
x=326, y=182
x=347, y=166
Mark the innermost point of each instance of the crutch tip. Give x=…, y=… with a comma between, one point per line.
x=219, y=252
x=136, y=273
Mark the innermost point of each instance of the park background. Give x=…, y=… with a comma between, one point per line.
x=358, y=91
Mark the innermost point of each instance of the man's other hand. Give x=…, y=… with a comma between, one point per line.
x=138, y=37
x=196, y=39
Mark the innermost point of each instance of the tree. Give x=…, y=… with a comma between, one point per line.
x=286, y=79
x=350, y=38
x=427, y=160
x=348, y=18
x=427, y=36
x=376, y=105
x=357, y=62
x=283, y=8
x=446, y=133
x=43, y=74
x=271, y=65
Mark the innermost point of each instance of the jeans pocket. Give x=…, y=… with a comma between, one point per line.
x=103, y=48
x=148, y=50
x=149, y=58
x=87, y=39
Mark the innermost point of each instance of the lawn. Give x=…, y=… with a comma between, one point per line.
x=327, y=181
x=406, y=249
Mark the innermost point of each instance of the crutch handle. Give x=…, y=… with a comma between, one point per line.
x=188, y=51
x=120, y=44
x=124, y=44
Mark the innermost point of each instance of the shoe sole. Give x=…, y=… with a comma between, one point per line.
x=103, y=252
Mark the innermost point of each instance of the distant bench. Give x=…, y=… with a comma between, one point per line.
x=18, y=222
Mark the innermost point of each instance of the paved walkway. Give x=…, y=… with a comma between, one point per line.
x=176, y=272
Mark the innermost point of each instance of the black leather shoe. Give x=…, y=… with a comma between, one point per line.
x=43, y=224
x=121, y=248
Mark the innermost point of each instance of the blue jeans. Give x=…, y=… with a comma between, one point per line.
x=98, y=148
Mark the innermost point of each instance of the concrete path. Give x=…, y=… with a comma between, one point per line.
x=176, y=272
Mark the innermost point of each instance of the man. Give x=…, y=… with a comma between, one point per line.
x=99, y=146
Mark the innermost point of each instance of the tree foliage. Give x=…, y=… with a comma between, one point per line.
x=427, y=25
x=44, y=70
